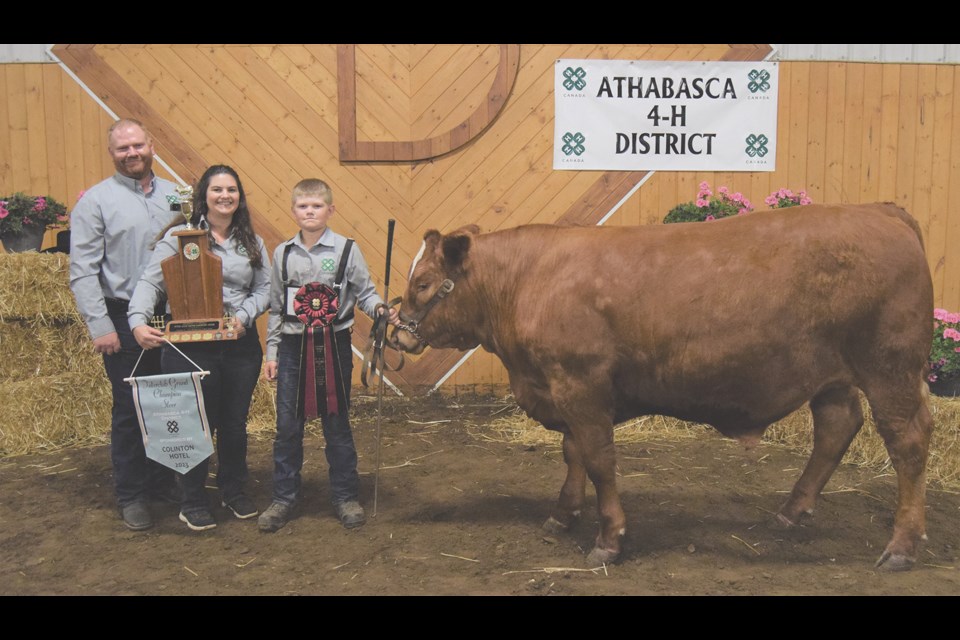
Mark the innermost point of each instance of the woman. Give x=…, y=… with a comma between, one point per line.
x=220, y=207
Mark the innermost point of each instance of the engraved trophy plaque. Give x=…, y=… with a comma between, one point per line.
x=194, y=280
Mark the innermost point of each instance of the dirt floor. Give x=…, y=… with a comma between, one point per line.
x=460, y=514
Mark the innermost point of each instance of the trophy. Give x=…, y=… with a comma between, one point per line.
x=194, y=280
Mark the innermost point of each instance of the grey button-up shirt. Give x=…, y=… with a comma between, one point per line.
x=318, y=263
x=112, y=231
x=246, y=291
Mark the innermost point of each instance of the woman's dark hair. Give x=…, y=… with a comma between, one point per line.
x=241, y=226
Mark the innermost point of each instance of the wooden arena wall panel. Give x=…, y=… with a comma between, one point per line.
x=848, y=132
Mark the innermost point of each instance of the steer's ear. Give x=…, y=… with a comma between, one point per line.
x=431, y=238
x=456, y=246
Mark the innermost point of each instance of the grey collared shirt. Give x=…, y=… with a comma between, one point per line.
x=318, y=263
x=246, y=291
x=112, y=231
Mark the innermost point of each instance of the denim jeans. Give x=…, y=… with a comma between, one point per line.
x=134, y=475
x=234, y=367
x=288, y=447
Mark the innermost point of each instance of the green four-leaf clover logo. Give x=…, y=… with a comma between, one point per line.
x=759, y=81
x=757, y=145
x=574, y=79
x=573, y=143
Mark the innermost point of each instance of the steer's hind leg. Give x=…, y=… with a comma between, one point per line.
x=904, y=422
x=837, y=417
x=567, y=511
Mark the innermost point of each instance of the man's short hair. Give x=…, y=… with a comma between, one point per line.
x=312, y=187
x=126, y=122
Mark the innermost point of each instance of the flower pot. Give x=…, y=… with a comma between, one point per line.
x=30, y=239
x=948, y=388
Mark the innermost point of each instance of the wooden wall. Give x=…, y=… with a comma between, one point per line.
x=52, y=135
x=848, y=132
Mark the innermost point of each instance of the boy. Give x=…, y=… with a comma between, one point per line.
x=309, y=355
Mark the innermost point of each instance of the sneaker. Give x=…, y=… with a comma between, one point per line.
x=136, y=516
x=351, y=514
x=242, y=507
x=198, y=519
x=275, y=516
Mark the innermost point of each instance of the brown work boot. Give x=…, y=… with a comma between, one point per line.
x=351, y=514
x=275, y=517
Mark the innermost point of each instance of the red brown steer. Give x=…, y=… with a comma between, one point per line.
x=734, y=323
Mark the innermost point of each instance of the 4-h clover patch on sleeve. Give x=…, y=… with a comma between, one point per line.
x=328, y=265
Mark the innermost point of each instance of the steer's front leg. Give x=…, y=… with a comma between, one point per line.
x=595, y=443
x=567, y=511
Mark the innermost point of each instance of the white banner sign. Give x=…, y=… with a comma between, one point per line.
x=676, y=116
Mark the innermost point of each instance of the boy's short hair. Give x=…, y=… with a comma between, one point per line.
x=312, y=187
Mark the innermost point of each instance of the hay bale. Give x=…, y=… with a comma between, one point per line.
x=45, y=414
x=35, y=289
x=55, y=392
x=262, y=421
x=943, y=465
x=45, y=350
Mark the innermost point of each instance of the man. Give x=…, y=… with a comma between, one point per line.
x=113, y=230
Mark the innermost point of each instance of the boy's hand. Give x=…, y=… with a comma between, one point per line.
x=270, y=370
x=393, y=316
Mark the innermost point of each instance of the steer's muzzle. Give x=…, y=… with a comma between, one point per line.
x=403, y=339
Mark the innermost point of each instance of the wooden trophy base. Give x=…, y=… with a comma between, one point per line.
x=211, y=330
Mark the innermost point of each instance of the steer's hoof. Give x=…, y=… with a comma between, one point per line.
x=782, y=522
x=554, y=527
x=895, y=562
x=599, y=557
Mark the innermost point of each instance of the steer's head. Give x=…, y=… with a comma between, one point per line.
x=436, y=308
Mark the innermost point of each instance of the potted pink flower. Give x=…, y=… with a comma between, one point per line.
x=944, y=376
x=24, y=219
x=783, y=198
x=709, y=206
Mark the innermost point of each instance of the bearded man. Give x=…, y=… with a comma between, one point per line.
x=113, y=229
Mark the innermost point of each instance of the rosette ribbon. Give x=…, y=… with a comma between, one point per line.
x=316, y=306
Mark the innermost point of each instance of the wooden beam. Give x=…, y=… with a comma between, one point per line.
x=406, y=151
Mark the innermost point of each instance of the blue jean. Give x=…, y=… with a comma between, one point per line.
x=288, y=447
x=134, y=475
x=234, y=367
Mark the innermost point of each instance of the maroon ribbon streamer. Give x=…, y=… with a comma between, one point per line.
x=310, y=384
x=328, y=356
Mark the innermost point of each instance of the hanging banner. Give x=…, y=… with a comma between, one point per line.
x=172, y=418
x=635, y=115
